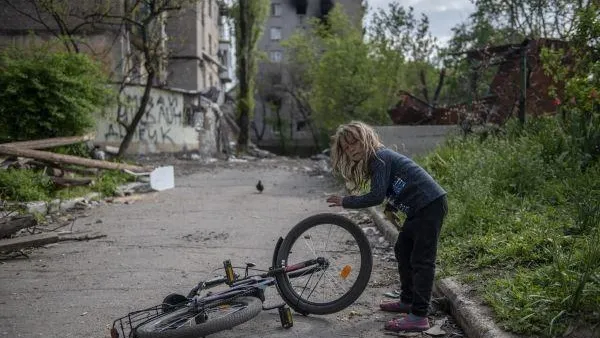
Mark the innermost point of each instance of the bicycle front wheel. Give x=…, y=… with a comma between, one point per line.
x=186, y=323
x=334, y=286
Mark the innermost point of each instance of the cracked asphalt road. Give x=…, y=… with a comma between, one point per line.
x=166, y=242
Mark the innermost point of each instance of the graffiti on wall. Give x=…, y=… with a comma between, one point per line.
x=164, y=115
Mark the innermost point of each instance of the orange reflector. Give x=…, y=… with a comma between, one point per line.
x=345, y=271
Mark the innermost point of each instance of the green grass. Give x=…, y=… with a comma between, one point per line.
x=523, y=224
x=24, y=185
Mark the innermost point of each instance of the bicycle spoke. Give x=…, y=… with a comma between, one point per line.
x=311, y=292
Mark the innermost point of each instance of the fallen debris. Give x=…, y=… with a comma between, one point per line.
x=404, y=334
x=50, y=142
x=68, y=159
x=38, y=240
x=10, y=225
x=80, y=236
x=436, y=331
x=63, y=182
x=28, y=241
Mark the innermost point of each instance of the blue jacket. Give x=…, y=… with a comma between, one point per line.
x=406, y=185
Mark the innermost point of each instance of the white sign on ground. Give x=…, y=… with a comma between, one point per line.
x=162, y=178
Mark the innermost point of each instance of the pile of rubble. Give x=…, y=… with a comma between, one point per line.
x=63, y=170
x=21, y=230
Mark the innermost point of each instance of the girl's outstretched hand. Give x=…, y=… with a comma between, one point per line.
x=334, y=201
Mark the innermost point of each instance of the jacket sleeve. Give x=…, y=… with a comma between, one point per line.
x=380, y=176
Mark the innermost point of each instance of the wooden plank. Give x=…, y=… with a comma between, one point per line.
x=69, y=159
x=51, y=142
x=70, y=182
x=80, y=236
x=28, y=241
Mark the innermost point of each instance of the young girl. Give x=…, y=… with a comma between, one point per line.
x=358, y=155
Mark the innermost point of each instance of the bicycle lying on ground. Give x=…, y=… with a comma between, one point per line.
x=296, y=278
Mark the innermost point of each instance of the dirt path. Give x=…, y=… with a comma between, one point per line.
x=165, y=242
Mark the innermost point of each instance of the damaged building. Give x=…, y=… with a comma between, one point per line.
x=518, y=87
x=285, y=17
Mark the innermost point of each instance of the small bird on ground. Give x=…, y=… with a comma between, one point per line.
x=259, y=186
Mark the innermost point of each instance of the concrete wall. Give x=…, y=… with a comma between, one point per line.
x=194, y=44
x=174, y=122
x=414, y=140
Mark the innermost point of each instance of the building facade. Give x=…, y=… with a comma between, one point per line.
x=200, y=45
x=196, y=45
x=285, y=18
x=193, y=47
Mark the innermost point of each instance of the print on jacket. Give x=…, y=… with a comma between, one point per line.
x=397, y=187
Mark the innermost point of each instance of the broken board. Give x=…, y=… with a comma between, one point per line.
x=162, y=178
x=28, y=241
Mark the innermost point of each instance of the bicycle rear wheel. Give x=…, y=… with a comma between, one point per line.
x=346, y=250
x=186, y=323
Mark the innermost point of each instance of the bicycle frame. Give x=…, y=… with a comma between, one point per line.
x=250, y=285
x=253, y=282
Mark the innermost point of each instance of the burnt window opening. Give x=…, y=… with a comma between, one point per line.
x=301, y=6
x=301, y=125
x=275, y=9
x=326, y=7
x=274, y=99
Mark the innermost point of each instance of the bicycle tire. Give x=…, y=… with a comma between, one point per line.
x=285, y=287
x=252, y=309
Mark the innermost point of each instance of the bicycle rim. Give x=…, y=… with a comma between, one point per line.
x=348, y=253
x=184, y=323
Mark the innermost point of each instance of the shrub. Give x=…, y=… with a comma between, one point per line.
x=24, y=185
x=524, y=217
x=48, y=94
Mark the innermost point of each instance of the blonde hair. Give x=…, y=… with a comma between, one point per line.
x=355, y=172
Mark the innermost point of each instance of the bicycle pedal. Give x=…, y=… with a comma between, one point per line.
x=285, y=315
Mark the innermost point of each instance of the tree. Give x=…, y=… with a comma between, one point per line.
x=141, y=23
x=145, y=21
x=249, y=20
x=401, y=30
x=336, y=76
x=532, y=18
x=501, y=22
x=44, y=94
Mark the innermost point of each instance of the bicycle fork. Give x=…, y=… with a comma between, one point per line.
x=285, y=313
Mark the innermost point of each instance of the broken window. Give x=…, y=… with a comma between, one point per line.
x=275, y=55
x=275, y=9
x=326, y=7
x=275, y=33
x=301, y=6
x=301, y=125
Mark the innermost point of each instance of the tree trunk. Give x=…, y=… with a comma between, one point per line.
x=243, y=119
x=50, y=142
x=280, y=128
x=69, y=159
x=424, y=85
x=132, y=128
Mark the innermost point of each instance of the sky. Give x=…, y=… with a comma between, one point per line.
x=443, y=14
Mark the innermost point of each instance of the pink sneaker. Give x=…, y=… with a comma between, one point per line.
x=408, y=323
x=395, y=307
